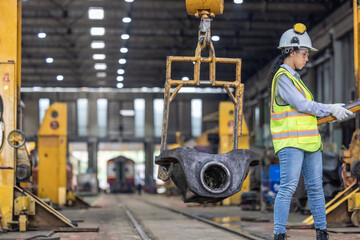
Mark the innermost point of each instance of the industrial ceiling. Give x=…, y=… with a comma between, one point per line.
x=135, y=36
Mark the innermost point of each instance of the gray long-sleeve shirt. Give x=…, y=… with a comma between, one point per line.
x=287, y=93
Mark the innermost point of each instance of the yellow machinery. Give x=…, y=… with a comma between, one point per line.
x=18, y=207
x=52, y=155
x=226, y=126
x=52, y=150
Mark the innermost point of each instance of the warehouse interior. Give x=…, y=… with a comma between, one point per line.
x=87, y=121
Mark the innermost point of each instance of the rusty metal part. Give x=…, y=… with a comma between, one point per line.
x=203, y=177
x=46, y=216
x=353, y=107
x=195, y=7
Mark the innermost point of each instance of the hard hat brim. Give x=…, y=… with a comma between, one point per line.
x=310, y=48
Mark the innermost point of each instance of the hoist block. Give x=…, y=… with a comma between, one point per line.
x=213, y=6
x=205, y=178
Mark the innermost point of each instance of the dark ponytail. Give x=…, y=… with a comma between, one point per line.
x=278, y=62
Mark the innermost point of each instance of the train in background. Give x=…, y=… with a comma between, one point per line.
x=121, y=175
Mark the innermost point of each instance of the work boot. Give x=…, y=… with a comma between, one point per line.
x=280, y=236
x=322, y=234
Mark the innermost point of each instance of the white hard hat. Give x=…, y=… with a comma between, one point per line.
x=296, y=37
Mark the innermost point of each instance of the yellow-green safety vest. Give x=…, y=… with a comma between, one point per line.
x=290, y=128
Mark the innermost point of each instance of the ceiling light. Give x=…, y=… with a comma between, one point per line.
x=36, y=88
x=215, y=38
x=101, y=74
x=127, y=113
x=120, y=71
x=97, y=31
x=59, y=77
x=120, y=78
x=97, y=44
x=126, y=19
x=122, y=60
x=238, y=1
x=99, y=56
x=120, y=85
x=41, y=35
x=185, y=78
x=123, y=50
x=100, y=66
x=125, y=36
x=49, y=60
x=96, y=13
x=130, y=1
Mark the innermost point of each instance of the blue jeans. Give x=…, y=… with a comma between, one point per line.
x=292, y=162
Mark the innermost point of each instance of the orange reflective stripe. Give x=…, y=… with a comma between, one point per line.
x=297, y=131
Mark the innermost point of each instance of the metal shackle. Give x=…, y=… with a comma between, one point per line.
x=215, y=7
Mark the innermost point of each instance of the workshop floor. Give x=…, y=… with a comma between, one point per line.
x=123, y=216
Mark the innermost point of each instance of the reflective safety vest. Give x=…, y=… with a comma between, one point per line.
x=290, y=128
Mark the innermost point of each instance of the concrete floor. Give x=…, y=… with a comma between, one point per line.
x=161, y=224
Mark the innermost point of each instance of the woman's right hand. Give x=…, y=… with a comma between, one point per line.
x=339, y=112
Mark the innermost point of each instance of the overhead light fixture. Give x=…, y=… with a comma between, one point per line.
x=125, y=36
x=59, y=77
x=101, y=74
x=120, y=85
x=129, y=1
x=120, y=78
x=120, y=71
x=127, y=113
x=49, y=60
x=97, y=31
x=123, y=50
x=238, y=1
x=41, y=35
x=96, y=13
x=126, y=20
x=185, y=78
x=100, y=66
x=99, y=56
x=122, y=60
x=215, y=38
x=36, y=88
x=97, y=44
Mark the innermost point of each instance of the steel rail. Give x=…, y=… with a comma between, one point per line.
x=244, y=234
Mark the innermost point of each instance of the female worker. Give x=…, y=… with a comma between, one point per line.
x=294, y=131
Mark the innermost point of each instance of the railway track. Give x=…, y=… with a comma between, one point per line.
x=147, y=234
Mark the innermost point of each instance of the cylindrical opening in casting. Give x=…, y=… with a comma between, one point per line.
x=215, y=177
